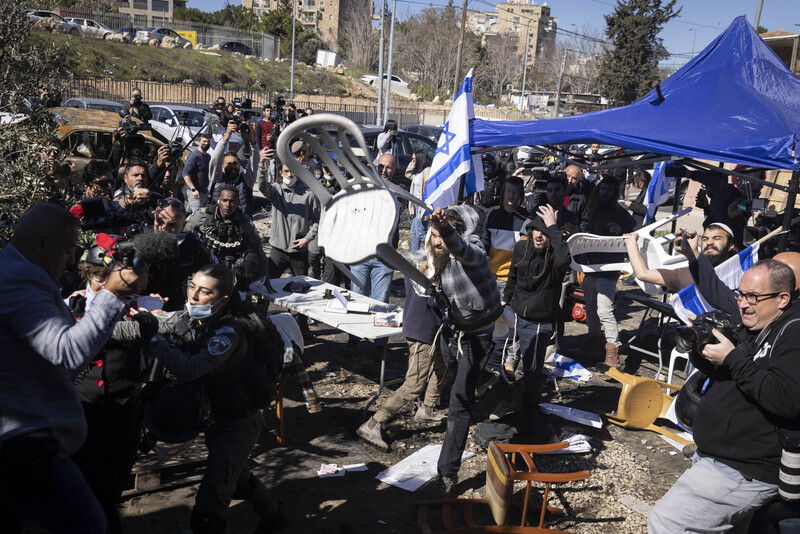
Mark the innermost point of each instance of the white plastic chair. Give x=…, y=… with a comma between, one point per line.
x=358, y=222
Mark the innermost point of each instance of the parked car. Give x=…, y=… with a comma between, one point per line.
x=94, y=29
x=235, y=46
x=87, y=134
x=408, y=143
x=94, y=103
x=431, y=132
x=169, y=122
x=39, y=14
x=369, y=79
x=159, y=34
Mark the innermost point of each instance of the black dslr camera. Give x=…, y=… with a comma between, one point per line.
x=175, y=150
x=129, y=125
x=690, y=338
x=137, y=101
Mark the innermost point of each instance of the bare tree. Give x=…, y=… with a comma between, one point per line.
x=359, y=42
x=502, y=63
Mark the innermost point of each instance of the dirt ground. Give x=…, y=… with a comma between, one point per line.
x=636, y=467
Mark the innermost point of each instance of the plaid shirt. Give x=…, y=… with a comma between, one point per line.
x=468, y=283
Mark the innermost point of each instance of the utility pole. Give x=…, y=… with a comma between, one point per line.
x=560, y=79
x=291, y=78
x=379, y=119
x=460, y=47
x=524, y=69
x=758, y=14
x=389, y=65
x=693, y=39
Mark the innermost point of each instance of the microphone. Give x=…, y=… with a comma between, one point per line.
x=151, y=248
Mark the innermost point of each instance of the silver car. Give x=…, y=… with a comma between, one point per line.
x=39, y=14
x=94, y=103
x=94, y=29
x=177, y=123
x=159, y=34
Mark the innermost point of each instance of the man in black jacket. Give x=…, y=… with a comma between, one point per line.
x=753, y=393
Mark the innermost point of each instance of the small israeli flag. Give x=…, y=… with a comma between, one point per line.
x=689, y=301
x=657, y=191
x=453, y=159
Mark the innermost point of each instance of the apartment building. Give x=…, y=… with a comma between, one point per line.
x=324, y=17
x=146, y=13
x=519, y=17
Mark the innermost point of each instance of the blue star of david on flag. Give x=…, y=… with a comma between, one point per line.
x=453, y=158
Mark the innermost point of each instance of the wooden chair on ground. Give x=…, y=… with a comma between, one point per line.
x=641, y=402
x=506, y=464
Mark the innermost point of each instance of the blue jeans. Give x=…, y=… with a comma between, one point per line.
x=419, y=229
x=194, y=203
x=469, y=349
x=376, y=278
x=63, y=504
x=709, y=497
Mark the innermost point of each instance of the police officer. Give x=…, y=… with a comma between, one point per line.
x=211, y=347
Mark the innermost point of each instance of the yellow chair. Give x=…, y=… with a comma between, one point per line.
x=641, y=402
x=501, y=474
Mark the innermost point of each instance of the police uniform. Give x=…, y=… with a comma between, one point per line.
x=215, y=358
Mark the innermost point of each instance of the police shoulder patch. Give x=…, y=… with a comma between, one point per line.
x=219, y=345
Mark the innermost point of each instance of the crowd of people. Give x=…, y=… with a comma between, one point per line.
x=94, y=310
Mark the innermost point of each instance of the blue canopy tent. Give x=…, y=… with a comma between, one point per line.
x=734, y=102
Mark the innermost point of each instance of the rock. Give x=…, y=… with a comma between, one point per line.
x=169, y=42
x=251, y=56
x=154, y=42
x=187, y=46
x=215, y=48
x=300, y=64
x=339, y=70
x=415, y=97
x=237, y=54
x=48, y=25
x=437, y=100
x=137, y=41
x=115, y=38
x=200, y=46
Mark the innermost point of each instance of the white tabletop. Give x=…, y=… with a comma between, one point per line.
x=312, y=304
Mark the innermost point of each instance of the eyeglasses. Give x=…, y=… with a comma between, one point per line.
x=753, y=298
x=176, y=204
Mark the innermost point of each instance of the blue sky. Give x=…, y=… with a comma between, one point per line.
x=700, y=21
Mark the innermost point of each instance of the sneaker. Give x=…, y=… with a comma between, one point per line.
x=488, y=379
x=370, y=432
x=510, y=372
x=439, y=487
x=426, y=414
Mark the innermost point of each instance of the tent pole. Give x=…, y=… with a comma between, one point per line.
x=746, y=177
x=788, y=211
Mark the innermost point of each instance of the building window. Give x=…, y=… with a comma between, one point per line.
x=160, y=5
x=140, y=21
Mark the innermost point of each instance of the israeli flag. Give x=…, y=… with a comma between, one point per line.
x=453, y=159
x=689, y=301
x=657, y=191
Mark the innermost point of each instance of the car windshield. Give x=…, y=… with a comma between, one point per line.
x=193, y=118
x=104, y=107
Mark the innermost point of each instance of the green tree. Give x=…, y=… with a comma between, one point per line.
x=192, y=14
x=629, y=70
x=25, y=71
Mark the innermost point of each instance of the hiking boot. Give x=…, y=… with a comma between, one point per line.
x=426, y=414
x=370, y=432
x=488, y=379
x=510, y=372
x=612, y=358
x=439, y=487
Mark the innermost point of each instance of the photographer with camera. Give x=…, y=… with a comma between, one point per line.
x=41, y=349
x=387, y=140
x=134, y=196
x=753, y=393
x=138, y=108
x=226, y=169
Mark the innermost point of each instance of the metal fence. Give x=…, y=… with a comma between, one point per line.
x=264, y=45
x=359, y=110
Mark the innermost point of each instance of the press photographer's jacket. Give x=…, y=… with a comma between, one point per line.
x=754, y=393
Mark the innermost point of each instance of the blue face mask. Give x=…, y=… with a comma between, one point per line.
x=199, y=311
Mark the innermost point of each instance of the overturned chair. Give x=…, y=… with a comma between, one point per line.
x=506, y=464
x=641, y=402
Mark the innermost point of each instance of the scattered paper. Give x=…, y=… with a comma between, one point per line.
x=571, y=414
x=579, y=443
x=414, y=471
x=330, y=470
x=636, y=505
x=355, y=467
x=388, y=319
x=677, y=445
x=569, y=368
x=339, y=304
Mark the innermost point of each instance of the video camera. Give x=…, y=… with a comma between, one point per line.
x=278, y=110
x=690, y=338
x=151, y=248
x=100, y=214
x=537, y=177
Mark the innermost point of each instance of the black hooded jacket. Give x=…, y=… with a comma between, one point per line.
x=534, y=281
